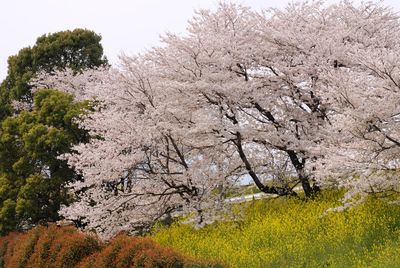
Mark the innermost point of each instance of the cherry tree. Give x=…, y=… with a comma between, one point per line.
x=261, y=78
x=363, y=149
x=291, y=96
x=142, y=163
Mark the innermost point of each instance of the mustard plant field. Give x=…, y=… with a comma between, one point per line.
x=294, y=233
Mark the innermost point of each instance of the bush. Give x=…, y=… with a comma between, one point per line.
x=24, y=246
x=125, y=251
x=54, y=247
x=46, y=247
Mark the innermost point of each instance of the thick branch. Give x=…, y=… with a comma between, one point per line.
x=266, y=113
x=253, y=175
x=178, y=152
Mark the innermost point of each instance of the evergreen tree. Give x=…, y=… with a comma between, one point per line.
x=32, y=178
x=77, y=50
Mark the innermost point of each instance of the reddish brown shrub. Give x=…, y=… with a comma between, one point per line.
x=68, y=249
x=143, y=252
x=21, y=247
x=40, y=257
x=46, y=247
x=54, y=247
x=7, y=246
x=125, y=251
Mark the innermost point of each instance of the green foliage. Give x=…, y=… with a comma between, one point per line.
x=32, y=178
x=293, y=233
x=78, y=50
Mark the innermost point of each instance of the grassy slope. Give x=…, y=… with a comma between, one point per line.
x=293, y=233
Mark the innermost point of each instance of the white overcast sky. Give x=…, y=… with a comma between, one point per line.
x=128, y=26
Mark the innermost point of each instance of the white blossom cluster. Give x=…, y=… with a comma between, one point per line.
x=307, y=96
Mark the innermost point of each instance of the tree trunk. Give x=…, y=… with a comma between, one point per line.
x=303, y=177
x=305, y=183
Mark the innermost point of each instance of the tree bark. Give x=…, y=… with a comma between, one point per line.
x=303, y=177
x=253, y=175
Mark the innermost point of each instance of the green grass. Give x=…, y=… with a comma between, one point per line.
x=294, y=233
x=242, y=190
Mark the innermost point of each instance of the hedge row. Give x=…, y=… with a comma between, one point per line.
x=54, y=247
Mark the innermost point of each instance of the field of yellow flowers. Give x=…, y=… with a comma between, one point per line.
x=295, y=233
